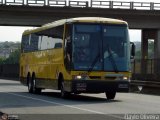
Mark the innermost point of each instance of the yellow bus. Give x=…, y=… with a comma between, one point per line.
x=77, y=55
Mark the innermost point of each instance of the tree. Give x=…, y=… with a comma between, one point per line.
x=1, y=60
x=138, y=54
x=151, y=49
x=13, y=58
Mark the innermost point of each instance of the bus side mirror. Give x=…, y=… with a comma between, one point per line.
x=133, y=49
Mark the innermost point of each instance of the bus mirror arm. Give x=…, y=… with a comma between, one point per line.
x=133, y=48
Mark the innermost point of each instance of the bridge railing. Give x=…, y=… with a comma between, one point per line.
x=141, y=5
x=59, y=3
x=36, y=2
x=13, y=2
x=125, y=5
x=109, y=4
x=86, y=3
x=78, y=3
x=156, y=6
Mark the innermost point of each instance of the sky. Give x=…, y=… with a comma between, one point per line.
x=10, y=33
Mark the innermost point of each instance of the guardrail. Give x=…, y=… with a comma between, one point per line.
x=145, y=73
x=146, y=69
x=9, y=70
x=149, y=64
x=86, y=3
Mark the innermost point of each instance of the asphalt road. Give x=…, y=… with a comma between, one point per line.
x=15, y=99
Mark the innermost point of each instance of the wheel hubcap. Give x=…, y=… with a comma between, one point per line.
x=34, y=83
x=29, y=85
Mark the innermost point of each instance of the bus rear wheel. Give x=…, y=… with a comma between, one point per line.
x=30, y=85
x=35, y=89
x=110, y=95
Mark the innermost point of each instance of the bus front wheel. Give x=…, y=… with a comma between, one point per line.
x=110, y=95
x=64, y=94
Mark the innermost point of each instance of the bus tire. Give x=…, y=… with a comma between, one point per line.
x=110, y=95
x=64, y=94
x=35, y=89
x=30, y=84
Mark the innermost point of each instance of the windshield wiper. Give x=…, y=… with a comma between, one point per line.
x=112, y=59
x=94, y=63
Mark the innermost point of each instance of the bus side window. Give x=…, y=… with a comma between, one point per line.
x=58, y=45
x=34, y=42
x=50, y=38
x=25, y=43
x=29, y=43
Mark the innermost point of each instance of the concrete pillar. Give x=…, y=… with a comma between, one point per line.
x=157, y=55
x=146, y=64
x=157, y=46
x=144, y=49
x=146, y=35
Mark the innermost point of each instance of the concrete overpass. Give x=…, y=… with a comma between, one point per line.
x=140, y=15
x=38, y=15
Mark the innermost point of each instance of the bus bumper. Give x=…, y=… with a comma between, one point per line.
x=97, y=86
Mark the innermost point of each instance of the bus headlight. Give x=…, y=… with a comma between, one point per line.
x=125, y=78
x=80, y=77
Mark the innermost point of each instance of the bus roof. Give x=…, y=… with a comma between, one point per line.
x=72, y=20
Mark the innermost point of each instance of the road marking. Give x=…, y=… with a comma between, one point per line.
x=70, y=106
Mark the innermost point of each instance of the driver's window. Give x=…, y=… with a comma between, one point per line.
x=81, y=45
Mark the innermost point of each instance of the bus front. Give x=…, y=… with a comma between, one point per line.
x=99, y=58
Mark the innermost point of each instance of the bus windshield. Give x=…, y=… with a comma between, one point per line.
x=102, y=47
